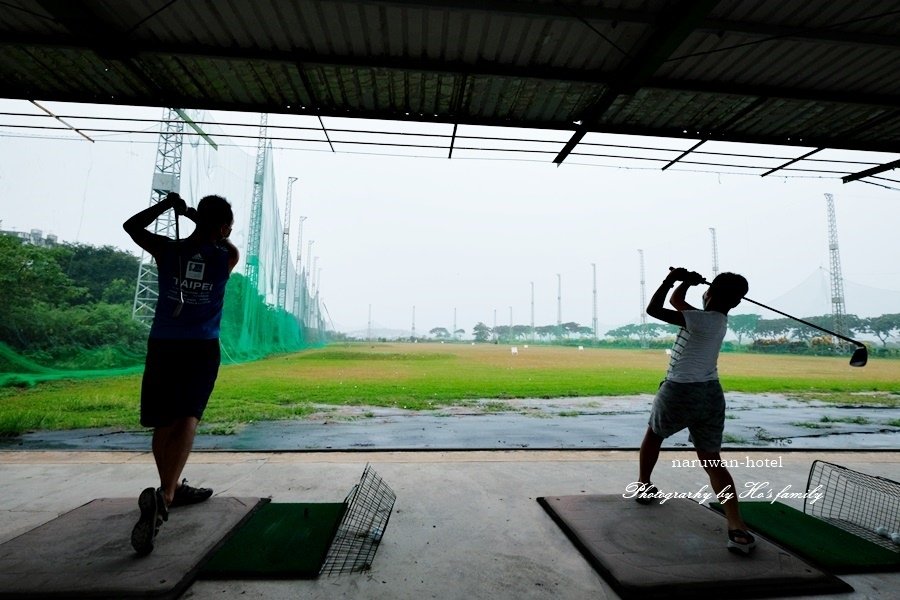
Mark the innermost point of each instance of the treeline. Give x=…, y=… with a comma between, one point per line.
x=755, y=330
x=752, y=332
x=68, y=305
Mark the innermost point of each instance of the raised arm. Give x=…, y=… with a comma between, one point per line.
x=137, y=225
x=656, y=308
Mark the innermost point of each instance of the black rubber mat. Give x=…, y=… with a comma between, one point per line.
x=678, y=550
x=86, y=552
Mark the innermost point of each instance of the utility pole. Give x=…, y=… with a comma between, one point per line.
x=715, y=252
x=454, y=323
x=495, y=325
x=413, y=337
x=558, y=306
x=369, y=330
x=594, y=320
x=644, y=343
x=837, y=280
x=532, y=312
x=315, y=279
x=558, y=300
x=299, y=287
x=281, y=302
x=308, y=280
x=510, y=325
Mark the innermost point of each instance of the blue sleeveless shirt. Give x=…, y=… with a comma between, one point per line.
x=202, y=279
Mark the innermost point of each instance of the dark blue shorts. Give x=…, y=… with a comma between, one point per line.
x=179, y=377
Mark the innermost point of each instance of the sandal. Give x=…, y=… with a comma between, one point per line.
x=741, y=547
x=647, y=495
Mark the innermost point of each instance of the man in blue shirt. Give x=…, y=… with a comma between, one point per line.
x=183, y=352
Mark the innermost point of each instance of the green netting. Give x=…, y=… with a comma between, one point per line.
x=76, y=311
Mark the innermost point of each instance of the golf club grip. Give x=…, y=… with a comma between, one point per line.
x=703, y=281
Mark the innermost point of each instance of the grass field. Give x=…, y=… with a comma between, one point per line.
x=428, y=376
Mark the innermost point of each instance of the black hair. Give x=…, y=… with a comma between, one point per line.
x=729, y=289
x=214, y=211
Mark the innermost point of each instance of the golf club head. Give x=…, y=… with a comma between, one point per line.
x=860, y=357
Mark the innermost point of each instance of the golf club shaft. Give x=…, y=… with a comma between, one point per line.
x=807, y=323
x=180, y=305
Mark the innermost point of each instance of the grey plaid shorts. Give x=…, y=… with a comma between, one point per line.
x=698, y=406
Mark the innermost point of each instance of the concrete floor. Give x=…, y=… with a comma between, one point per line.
x=465, y=525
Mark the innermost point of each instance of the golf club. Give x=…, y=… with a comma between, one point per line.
x=177, y=311
x=860, y=355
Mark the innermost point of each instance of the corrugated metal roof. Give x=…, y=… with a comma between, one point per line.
x=796, y=72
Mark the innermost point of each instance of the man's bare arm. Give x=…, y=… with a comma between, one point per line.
x=656, y=308
x=137, y=225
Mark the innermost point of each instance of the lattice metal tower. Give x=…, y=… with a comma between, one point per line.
x=256, y=206
x=299, y=290
x=837, y=281
x=643, y=332
x=285, y=255
x=166, y=178
x=715, y=252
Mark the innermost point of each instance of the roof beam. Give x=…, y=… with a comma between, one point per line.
x=873, y=171
x=624, y=129
x=675, y=25
x=790, y=162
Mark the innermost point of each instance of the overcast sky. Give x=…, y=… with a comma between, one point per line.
x=472, y=235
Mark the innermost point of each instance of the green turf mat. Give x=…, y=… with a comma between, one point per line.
x=278, y=541
x=822, y=543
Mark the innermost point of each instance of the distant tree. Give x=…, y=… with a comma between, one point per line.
x=584, y=331
x=521, y=332
x=30, y=282
x=440, y=332
x=546, y=331
x=503, y=332
x=95, y=268
x=625, y=332
x=119, y=291
x=569, y=328
x=882, y=327
x=633, y=330
x=481, y=332
x=774, y=328
x=459, y=332
x=743, y=325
